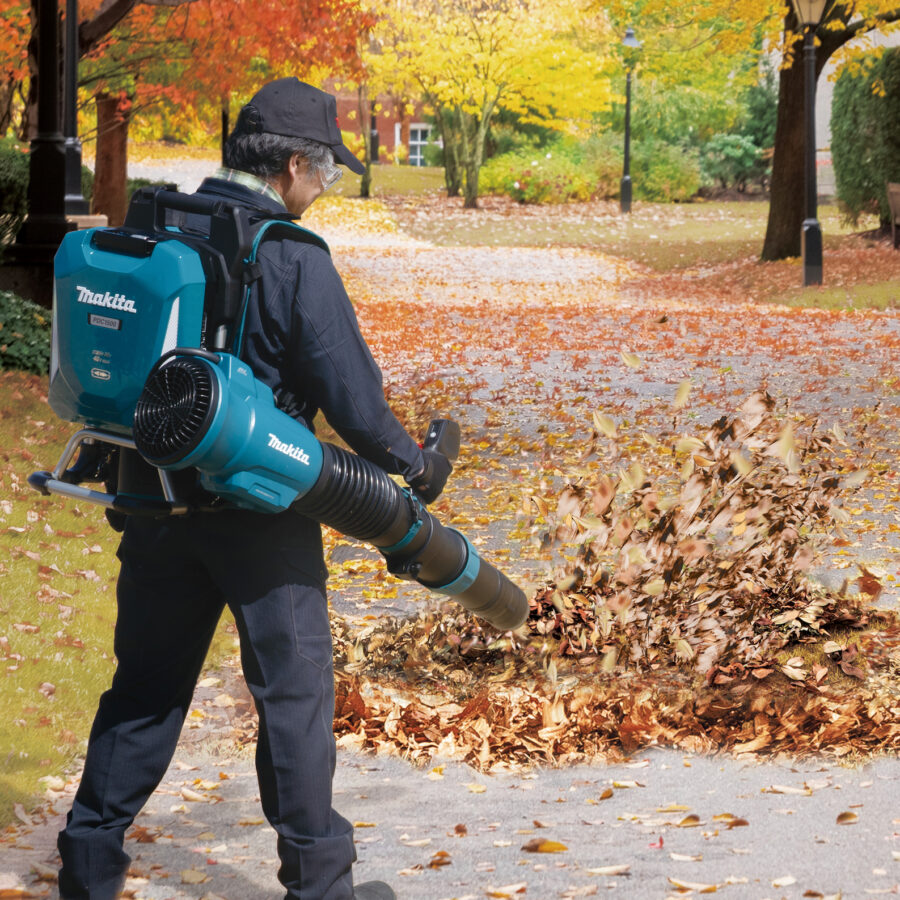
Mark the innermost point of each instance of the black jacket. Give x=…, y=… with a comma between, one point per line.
x=302, y=339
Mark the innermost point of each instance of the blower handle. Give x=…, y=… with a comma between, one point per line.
x=186, y=203
x=443, y=436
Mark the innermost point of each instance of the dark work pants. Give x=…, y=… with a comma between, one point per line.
x=175, y=578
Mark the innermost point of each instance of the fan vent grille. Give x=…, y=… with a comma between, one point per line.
x=174, y=410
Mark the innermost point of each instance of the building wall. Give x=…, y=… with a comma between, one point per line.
x=392, y=123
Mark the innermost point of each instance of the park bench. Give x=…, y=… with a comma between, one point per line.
x=893, y=195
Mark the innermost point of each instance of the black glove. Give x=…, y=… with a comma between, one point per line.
x=429, y=483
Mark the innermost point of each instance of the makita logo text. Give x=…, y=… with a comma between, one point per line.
x=110, y=301
x=288, y=449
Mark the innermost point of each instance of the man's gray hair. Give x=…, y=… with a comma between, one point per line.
x=266, y=155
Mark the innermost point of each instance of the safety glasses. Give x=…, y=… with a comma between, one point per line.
x=330, y=176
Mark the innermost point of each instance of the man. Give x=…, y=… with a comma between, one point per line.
x=302, y=339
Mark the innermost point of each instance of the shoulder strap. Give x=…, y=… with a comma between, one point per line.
x=282, y=226
x=276, y=227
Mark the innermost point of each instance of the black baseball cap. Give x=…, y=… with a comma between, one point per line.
x=292, y=108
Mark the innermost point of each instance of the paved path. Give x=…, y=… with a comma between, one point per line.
x=651, y=827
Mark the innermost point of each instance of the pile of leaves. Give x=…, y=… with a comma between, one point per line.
x=681, y=614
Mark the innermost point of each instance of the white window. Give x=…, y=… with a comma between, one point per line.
x=418, y=138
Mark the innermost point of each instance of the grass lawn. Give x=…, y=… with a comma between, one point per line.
x=57, y=602
x=394, y=181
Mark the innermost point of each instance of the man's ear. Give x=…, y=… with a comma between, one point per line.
x=297, y=165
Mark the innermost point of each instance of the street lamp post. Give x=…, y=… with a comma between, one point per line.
x=45, y=225
x=632, y=45
x=75, y=204
x=809, y=14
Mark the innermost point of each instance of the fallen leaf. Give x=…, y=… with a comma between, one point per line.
x=630, y=359
x=540, y=845
x=193, y=876
x=508, y=890
x=699, y=887
x=609, y=871
x=691, y=821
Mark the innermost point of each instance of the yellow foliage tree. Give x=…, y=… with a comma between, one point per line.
x=540, y=59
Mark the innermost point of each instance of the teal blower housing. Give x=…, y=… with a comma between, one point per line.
x=144, y=319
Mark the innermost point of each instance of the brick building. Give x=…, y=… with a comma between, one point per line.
x=397, y=128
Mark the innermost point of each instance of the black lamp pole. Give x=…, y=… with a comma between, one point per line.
x=811, y=241
x=74, y=202
x=809, y=14
x=631, y=44
x=625, y=188
x=46, y=224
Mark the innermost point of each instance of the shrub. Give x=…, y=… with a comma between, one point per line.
x=24, y=334
x=87, y=183
x=604, y=154
x=732, y=160
x=569, y=171
x=537, y=177
x=760, y=110
x=664, y=173
x=13, y=188
x=865, y=135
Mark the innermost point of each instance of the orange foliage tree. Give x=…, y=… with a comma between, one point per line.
x=186, y=59
x=188, y=55
x=197, y=56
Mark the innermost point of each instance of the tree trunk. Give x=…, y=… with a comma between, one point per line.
x=468, y=165
x=366, y=120
x=476, y=153
x=786, y=207
x=110, y=176
x=28, y=128
x=452, y=173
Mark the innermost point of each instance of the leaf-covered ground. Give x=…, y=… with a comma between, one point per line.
x=698, y=490
x=664, y=460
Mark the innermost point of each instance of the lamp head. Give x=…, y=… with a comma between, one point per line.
x=630, y=41
x=809, y=12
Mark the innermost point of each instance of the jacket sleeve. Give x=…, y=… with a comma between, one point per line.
x=336, y=371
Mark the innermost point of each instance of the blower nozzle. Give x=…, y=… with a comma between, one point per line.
x=208, y=411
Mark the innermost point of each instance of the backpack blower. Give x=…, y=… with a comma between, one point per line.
x=144, y=321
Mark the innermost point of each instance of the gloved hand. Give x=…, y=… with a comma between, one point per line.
x=429, y=483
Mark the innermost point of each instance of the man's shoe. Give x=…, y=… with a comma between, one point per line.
x=373, y=890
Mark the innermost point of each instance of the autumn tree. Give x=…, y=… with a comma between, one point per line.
x=841, y=24
x=15, y=26
x=469, y=58
x=191, y=57
x=683, y=40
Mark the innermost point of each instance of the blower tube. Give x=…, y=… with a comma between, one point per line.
x=207, y=411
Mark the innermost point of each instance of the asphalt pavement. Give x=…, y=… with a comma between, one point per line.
x=663, y=824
